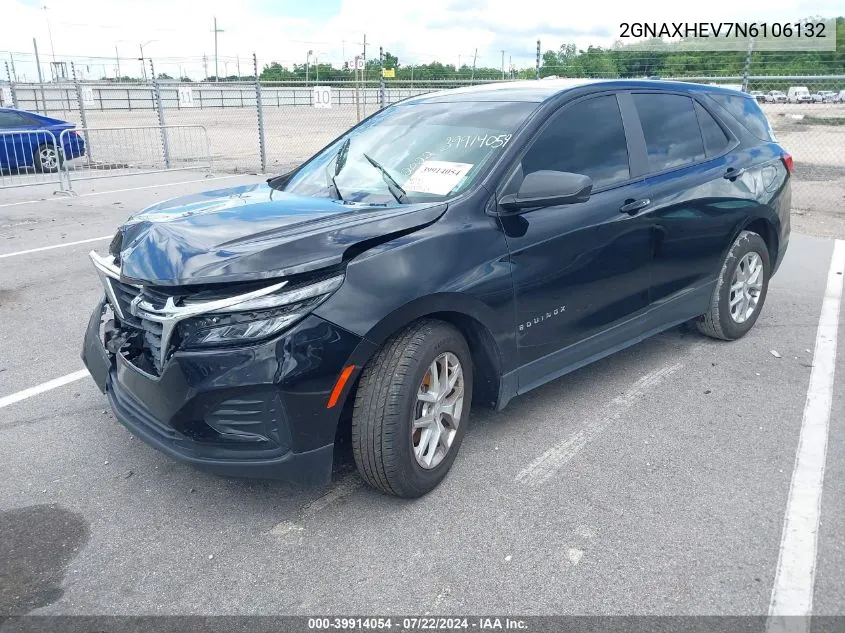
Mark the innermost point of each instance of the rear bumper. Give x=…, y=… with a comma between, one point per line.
x=253, y=411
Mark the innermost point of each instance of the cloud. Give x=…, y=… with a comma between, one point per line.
x=87, y=31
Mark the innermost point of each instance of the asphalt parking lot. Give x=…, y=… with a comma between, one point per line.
x=656, y=481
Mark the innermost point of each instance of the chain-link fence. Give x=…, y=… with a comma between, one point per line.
x=270, y=127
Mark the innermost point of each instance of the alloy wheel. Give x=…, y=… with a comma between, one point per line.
x=437, y=411
x=49, y=158
x=746, y=286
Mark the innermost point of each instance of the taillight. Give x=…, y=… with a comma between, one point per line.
x=787, y=162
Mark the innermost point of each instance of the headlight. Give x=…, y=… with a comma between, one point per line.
x=255, y=318
x=230, y=328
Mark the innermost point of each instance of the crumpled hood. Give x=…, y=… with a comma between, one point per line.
x=253, y=232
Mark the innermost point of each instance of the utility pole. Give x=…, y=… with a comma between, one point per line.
x=364, y=72
x=474, y=57
x=205, y=66
x=143, y=65
x=238, y=58
x=117, y=61
x=537, y=67
x=40, y=78
x=503, y=64
x=216, y=31
x=12, y=63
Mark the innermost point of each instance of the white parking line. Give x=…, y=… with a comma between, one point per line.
x=792, y=594
x=49, y=248
x=546, y=466
x=5, y=401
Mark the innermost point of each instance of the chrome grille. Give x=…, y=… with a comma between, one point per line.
x=155, y=313
x=120, y=296
x=124, y=293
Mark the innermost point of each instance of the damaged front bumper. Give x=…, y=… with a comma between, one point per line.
x=257, y=410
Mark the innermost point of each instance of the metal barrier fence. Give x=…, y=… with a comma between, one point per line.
x=278, y=127
x=62, y=97
x=29, y=157
x=37, y=157
x=98, y=96
x=122, y=151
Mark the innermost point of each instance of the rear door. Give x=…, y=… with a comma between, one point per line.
x=12, y=152
x=578, y=269
x=695, y=203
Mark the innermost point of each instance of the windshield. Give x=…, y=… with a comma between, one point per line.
x=432, y=151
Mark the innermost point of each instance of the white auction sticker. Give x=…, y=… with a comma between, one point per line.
x=436, y=176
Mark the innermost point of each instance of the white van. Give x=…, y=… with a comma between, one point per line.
x=799, y=94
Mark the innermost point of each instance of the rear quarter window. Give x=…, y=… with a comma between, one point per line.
x=747, y=112
x=671, y=131
x=715, y=139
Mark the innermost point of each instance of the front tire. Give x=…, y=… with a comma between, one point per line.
x=411, y=409
x=740, y=289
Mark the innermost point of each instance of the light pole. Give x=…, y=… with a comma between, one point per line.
x=141, y=58
x=307, y=66
x=117, y=57
x=50, y=35
x=216, y=31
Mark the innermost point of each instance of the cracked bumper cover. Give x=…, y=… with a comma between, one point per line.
x=257, y=410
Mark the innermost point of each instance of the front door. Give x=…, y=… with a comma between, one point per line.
x=578, y=269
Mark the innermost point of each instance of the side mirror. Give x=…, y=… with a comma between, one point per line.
x=547, y=188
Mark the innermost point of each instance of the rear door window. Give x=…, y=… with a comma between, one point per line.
x=587, y=138
x=747, y=112
x=671, y=131
x=715, y=139
x=11, y=120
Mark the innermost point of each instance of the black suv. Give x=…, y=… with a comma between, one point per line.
x=457, y=248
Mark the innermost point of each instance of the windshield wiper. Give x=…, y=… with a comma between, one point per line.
x=339, y=162
x=395, y=190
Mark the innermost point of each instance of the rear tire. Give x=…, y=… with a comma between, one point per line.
x=740, y=289
x=398, y=393
x=47, y=159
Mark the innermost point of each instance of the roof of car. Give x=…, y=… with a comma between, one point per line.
x=544, y=89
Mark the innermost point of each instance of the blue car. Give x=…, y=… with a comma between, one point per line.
x=30, y=140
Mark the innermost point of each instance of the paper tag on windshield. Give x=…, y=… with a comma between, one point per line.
x=436, y=176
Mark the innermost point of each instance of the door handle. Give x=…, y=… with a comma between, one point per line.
x=734, y=173
x=632, y=207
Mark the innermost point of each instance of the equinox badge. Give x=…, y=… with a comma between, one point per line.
x=539, y=319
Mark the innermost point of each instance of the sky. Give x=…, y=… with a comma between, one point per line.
x=177, y=33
